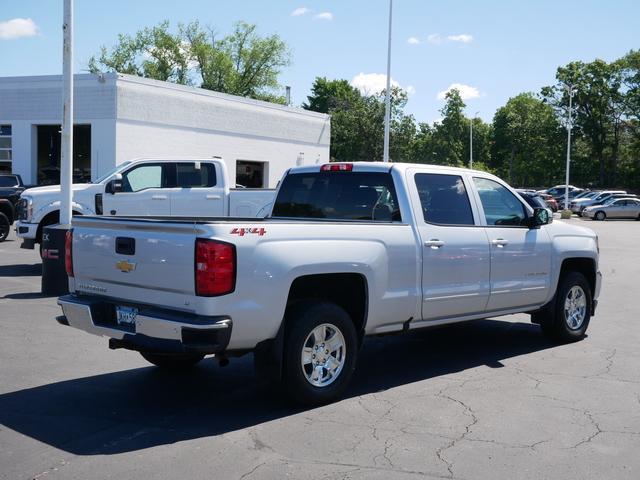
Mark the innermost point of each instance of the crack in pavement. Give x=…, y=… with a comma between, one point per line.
x=467, y=411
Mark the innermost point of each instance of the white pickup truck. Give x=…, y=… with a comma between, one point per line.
x=146, y=187
x=349, y=250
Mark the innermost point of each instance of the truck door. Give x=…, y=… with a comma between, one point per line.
x=144, y=192
x=455, y=249
x=199, y=190
x=520, y=256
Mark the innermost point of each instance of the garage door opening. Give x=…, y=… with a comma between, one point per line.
x=250, y=174
x=48, y=152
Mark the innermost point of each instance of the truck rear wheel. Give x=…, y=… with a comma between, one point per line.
x=567, y=318
x=172, y=361
x=320, y=352
x=4, y=227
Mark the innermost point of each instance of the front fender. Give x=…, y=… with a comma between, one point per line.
x=38, y=215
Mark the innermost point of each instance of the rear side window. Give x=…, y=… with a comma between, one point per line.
x=338, y=196
x=444, y=199
x=193, y=175
x=501, y=207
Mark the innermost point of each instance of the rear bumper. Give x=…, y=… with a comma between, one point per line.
x=153, y=330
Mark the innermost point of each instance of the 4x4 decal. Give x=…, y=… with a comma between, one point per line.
x=247, y=231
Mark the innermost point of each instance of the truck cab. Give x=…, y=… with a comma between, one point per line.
x=145, y=187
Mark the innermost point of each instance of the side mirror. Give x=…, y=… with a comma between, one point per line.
x=540, y=217
x=114, y=185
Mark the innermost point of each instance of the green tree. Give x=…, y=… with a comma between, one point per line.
x=527, y=142
x=242, y=63
x=357, y=121
x=599, y=108
x=153, y=53
x=327, y=95
x=449, y=136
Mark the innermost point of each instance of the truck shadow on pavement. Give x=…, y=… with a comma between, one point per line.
x=145, y=407
x=22, y=270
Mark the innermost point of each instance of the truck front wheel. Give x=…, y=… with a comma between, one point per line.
x=320, y=352
x=172, y=361
x=5, y=226
x=567, y=317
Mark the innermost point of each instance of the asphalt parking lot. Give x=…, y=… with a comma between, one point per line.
x=487, y=399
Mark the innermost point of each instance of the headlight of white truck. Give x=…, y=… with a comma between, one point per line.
x=26, y=208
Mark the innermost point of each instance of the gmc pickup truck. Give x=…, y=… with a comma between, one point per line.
x=348, y=250
x=152, y=186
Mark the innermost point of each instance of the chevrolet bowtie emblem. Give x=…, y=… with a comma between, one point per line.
x=125, y=266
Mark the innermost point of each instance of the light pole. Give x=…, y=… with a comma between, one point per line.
x=387, y=107
x=571, y=91
x=66, y=157
x=471, y=140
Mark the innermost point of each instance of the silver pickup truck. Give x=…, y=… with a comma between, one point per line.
x=349, y=250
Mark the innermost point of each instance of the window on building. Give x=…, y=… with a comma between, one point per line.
x=48, y=154
x=5, y=149
x=444, y=199
x=250, y=174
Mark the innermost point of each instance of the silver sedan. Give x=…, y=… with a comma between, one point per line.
x=618, y=208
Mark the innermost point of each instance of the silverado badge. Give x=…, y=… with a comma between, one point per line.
x=125, y=266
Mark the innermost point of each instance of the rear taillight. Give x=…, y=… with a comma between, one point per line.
x=215, y=265
x=68, y=253
x=337, y=167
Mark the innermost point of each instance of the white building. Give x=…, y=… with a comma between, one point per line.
x=119, y=117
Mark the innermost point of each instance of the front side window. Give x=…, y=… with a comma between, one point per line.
x=444, y=199
x=338, y=196
x=142, y=177
x=501, y=207
x=195, y=174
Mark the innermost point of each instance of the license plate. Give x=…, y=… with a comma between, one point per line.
x=126, y=316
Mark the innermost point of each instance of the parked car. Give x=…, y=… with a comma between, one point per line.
x=550, y=201
x=11, y=186
x=625, y=207
x=577, y=206
x=164, y=187
x=7, y=215
x=349, y=250
x=558, y=193
x=534, y=199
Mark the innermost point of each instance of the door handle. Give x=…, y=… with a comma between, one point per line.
x=434, y=243
x=159, y=197
x=500, y=242
x=213, y=197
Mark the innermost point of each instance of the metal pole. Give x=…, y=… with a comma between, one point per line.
x=387, y=109
x=471, y=145
x=569, y=127
x=66, y=157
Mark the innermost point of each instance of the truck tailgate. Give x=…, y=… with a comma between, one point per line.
x=139, y=260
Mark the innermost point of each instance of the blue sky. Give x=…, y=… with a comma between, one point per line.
x=495, y=49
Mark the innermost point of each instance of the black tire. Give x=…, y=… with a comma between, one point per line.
x=301, y=321
x=178, y=361
x=553, y=319
x=600, y=216
x=5, y=226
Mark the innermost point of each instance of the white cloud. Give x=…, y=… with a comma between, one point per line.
x=434, y=39
x=374, y=83
x=300, y=11
x=414, y=41
x=324, y=16
x=463, y=38
x=17, y=28
x=466, y=91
